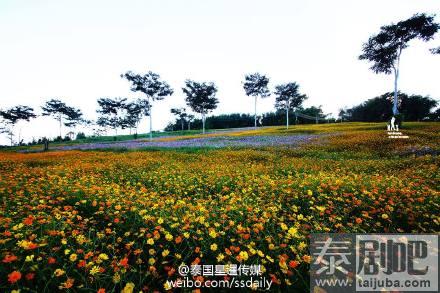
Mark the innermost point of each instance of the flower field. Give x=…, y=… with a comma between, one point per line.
x=102, y=221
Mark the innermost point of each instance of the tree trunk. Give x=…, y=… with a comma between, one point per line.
x=183, y=124
x=255, y=116
x=19, y=136
x=396, y=77
x=287, y=115
x=151, y=119
x=203, y=123
x=395, y=101
x=151, y=127
x=60, y=127
x=189, y=125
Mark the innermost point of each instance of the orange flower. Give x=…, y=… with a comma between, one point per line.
x=101, y=290
x=178, y=239
x=14, y=277
x=307, y=258
x=28, y=221
x=358, y=220
x=124, y=262
x=69, y=283
x=9, y=258
x=51, y=260
x=29, y=276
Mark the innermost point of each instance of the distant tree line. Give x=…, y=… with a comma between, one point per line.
x=411, y=108
x=237, y=120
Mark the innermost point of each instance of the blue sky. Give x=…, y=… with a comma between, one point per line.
x=76, y=50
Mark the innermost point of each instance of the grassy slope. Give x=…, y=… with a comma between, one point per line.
x=358, y=136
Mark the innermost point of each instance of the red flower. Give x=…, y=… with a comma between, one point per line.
x=14, y=277
x=29, y=276
x=293, y=264
x=9, y=258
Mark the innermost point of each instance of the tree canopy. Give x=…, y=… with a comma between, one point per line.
x=12, y=116
x=255, y=84
x=111, y=110
x=17, y=113
x=200, y=96
x=150, y=84
x=384, y=48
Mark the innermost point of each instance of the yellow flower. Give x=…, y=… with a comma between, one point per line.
x=212, y=233
x=213, y=247
x=293, y=232
x=128, y=288
x=165, y=252
x=160, y=221
x=302, y=245
x=220, y=257
x=384, y=216
x=94, y=270
x=320, y=208
x=150, y=241
x=103, y=256
x=59, y=272
x=116, y=278
x=29, y=258
x=169, y=237
x=244, y=255
x=309, y=192
x=73, y=257
x=151, y=261
x=167, y=286
x=186, y=235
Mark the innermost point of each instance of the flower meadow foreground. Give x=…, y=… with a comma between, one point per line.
x=125, y=221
